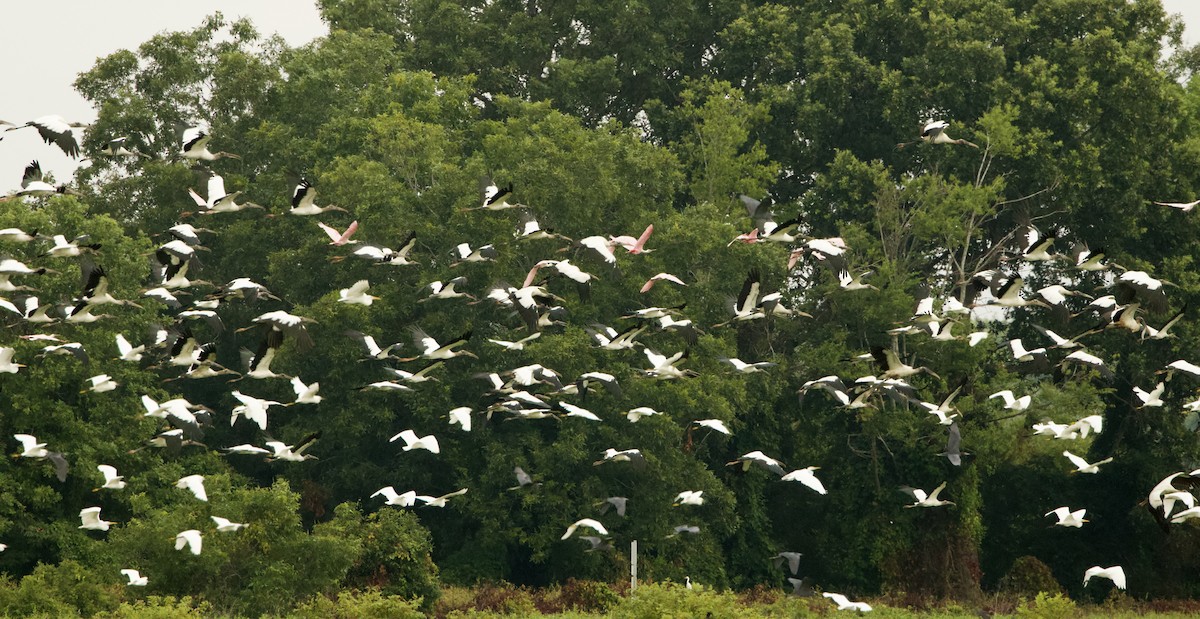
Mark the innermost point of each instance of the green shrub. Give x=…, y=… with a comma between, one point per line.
x=672, y=601
x=394, y=553
x=1048, y=606
x=155, y=607
x=1029, y=576
x=356, y=604
x=62, y=590
x=588, y=596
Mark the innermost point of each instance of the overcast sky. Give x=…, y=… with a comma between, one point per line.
x=43, y=60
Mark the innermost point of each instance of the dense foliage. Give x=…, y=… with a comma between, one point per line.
x=606, y=118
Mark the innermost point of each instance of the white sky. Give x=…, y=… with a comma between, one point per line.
x=44, y=60
x=43, y=57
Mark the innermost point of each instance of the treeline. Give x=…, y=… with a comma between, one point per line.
x=606, y=119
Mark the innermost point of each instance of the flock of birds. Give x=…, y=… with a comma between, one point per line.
x=533, y=391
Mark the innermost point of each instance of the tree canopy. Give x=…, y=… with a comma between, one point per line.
x=610, y=120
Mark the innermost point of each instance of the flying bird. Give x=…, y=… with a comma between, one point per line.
x=1115, y=573
x=190, y=538
x=585, y=523
x=90, y=517
x=1068, y=518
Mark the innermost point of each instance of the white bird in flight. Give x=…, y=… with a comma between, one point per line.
x=807, y=477
x=589, y=523
x=1082, y=466
x=190, y=538
x=90, y=517
x=194, y=484
x=1068, y=518
x=1115, y=573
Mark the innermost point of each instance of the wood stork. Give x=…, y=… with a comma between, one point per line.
x=893, y=367
x=55, y=129
x=431, y=349
x=385, y=256
x=193, y=484
x=90, y=519
x=288, y=324
x=425, y=374
x=116, y=148
x=1068, y=518
x=927, y=500
x=194, y=146
x=74, y=349
x=1090, y=360
x=607, y=338
x=293, y=453
x=530, y=230
x=484, y=253
x=1164, y=331
x=244, y=288
x=33, y=183
x=258, y=363
x=689, y=497
x=578, y=411
x=746, y=306
x=190, y=538
x=218, y=200
x=1085, y=259
x=1142, y=287
x=1009, y=295
x=934, y=132
x=663, y=367
x=304, y=201
x=374, y=350
x=1023, y=355
x=447, y=290
x=517, y=345
x=495, y=198
x=1115, y=573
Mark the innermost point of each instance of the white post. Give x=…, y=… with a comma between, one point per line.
x=633, y=566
